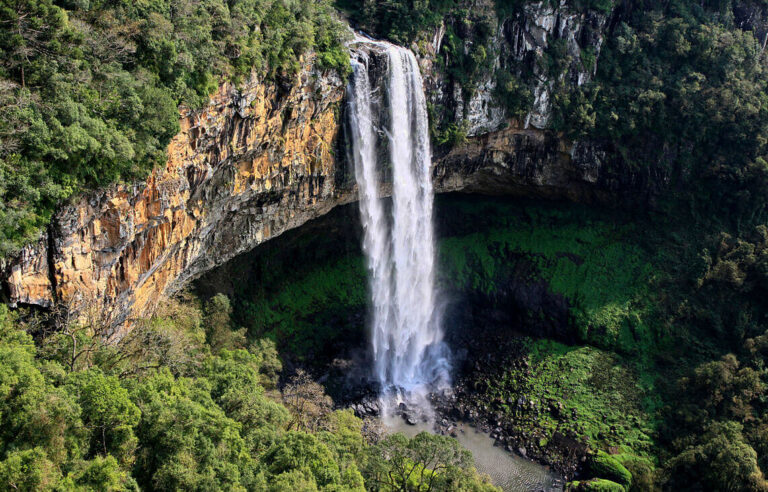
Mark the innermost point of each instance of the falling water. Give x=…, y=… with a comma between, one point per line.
x=389, y=133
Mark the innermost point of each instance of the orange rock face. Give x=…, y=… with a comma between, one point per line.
x=253, y=163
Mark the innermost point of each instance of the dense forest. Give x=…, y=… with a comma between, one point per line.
x=180, y=405
x=663, y=369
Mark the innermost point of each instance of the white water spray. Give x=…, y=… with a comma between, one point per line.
x=407, y=338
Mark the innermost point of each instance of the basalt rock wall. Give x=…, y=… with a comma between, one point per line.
x=255, y=162
x=258, y=160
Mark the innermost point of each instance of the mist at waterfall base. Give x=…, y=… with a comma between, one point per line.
x=388, y=129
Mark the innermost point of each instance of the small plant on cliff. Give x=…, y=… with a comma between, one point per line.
x=513, y=94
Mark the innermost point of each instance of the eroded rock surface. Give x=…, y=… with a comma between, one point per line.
x=252, y=164
x=260, y=160
x=517, y=46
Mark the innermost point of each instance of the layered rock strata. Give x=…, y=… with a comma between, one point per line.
x=253, y=163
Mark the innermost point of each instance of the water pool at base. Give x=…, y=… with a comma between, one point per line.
x=510, y=472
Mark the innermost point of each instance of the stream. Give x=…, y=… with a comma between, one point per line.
x=510, y=472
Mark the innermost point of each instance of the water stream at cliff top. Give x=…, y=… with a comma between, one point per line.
x=389, y=136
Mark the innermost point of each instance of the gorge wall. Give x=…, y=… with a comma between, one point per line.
x=255, y=162
x=267, y=157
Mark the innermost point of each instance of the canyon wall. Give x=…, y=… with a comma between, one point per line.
x=266, y=157
x=517, y=46
x=253, y=163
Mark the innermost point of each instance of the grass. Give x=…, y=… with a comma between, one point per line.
x=583, y=391
x=606, y=391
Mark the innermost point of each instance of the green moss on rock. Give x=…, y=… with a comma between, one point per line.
x=596, y=485
x=606, y=466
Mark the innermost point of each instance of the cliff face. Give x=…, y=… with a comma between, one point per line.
x=517, y=46
x=253, y=163
x=266, y=158
x=535, y=163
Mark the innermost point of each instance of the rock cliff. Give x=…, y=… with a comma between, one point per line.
x=266, y=157
x=517, y=45
x=256, y=161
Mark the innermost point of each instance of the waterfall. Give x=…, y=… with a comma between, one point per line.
x=389, y=133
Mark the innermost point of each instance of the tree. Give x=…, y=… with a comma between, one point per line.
x=307, y=402
x=108, y=413
x=720, y=459
x=270, y=365
x=100, y=473
x=298, y=451
x=34, y=413
x=218, y=325
x=187, y=441
x=727, y=388
x=424, y=463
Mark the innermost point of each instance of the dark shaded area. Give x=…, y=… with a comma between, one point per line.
x=521, y=298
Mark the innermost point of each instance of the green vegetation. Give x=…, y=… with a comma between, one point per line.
x=681, y=90
x=664, y=379
x=650, y=309
x=597, y=485
x=399, y=463
x=398, y=20
x=605, y=465
x=553, y=393
x=178, y=414
x=89, y=90
x=589, y=258
x=309, y=311
x=513, y=94
x=681, y=400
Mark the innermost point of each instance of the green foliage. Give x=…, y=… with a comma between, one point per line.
x=453, y=134
x=100, y=474
x=201, y=423
x=589, y=259
x=425, y=462
x=397, y=20
x=681, y=91
x=89, y=91
x=28, y=470
x=299, y=451
x=301, y=311
x=107, y=412
x=719, y=458
x=596, y=485
x=603, y=465
x=219, y=333
x=584, y=392
x=513, y=94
